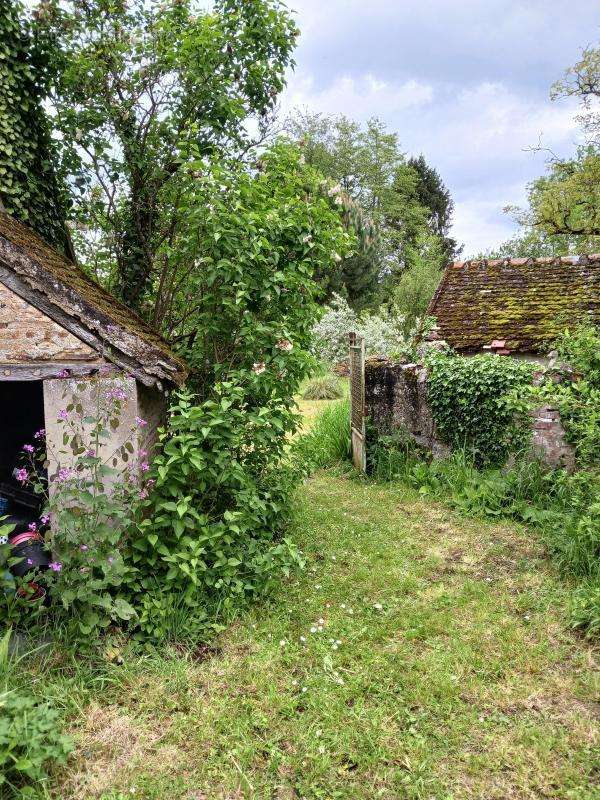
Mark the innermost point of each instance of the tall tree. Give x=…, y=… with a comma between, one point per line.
x=434, y=196
x=140, y=83
x=369, y=165
x=29, y=189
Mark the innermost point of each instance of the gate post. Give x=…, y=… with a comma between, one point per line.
x=357, y=400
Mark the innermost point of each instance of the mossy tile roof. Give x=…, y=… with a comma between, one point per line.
x=60, y=289
x=522, y=302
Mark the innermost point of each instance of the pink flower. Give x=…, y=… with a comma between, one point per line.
x=116, y=394
x=63, y=414
x=32, y=526
x=22, y=475
x=64, y=474
x=143, y=494
x=259, y=367
x=110, y=559
x=29, y=448
x=91, y=453
x=143, y=453
x=64, y=373
x=44, y=519
x=83, y=548
x=29, y=562
x=55, y=566
x=141, y=422
x=144, y=466
x=39, y=434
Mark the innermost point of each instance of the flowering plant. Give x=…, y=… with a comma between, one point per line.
x=91, y=497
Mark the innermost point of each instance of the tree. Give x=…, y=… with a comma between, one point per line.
x=139, y=82
x=29, y=189
x=368, y=164
x=434, y=196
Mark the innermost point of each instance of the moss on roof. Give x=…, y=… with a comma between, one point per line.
x=68, y=289
x=525, y=302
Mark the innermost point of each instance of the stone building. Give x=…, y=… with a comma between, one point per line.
x=511, y=307
x=57, y=325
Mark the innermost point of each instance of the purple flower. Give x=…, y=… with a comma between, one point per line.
x=91, y=453
x=63, y=414
x=32, y=526
x=143, y=494
x=64, y=474
x=116, y=394
x=110, y=559
x=64, y=373
x=144, y=466
x=141, y=422
x=29, y=448
x=39, y=434
x=83, y=548
x=45, y=519
x=55, y=566
x=22, y=475
x=29, y=562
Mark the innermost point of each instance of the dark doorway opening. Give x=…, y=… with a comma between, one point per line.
x=21, y=415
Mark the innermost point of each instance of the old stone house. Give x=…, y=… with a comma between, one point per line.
x=56, y=324
x=510, y=307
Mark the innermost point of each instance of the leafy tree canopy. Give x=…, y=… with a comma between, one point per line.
x=369, y=165
x=136, y=82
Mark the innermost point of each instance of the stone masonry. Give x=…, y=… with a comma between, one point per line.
x=28, y=335
x=396, y=398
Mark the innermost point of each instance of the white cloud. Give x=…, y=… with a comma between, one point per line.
x=359, y=98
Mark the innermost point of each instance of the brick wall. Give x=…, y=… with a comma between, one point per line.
x=27, y=335
x=396, y=397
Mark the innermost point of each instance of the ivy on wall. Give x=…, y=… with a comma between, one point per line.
x=471, y=404
x=29, y=190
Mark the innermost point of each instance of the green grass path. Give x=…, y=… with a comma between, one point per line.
x=420, y=655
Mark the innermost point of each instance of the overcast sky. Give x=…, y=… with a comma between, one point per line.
x=465, y=82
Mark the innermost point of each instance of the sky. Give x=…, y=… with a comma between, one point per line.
x=464, y=82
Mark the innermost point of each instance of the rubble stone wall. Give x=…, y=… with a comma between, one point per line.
x=396, y=398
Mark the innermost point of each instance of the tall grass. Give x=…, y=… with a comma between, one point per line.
x=328, y=442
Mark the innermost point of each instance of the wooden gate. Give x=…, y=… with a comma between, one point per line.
x=357, y=401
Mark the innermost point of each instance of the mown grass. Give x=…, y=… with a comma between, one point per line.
x=420, y=655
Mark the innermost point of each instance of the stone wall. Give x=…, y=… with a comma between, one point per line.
x=28, y=336
x=139, y=402
x=396, y=397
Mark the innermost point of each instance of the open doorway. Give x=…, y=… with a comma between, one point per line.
x=21, y=415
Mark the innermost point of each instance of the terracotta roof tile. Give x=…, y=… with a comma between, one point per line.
x=525, y=302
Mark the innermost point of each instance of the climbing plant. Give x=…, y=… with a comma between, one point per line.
x=29, y=189
x=469, y=399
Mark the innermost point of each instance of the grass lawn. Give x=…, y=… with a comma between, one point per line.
x=420, y=655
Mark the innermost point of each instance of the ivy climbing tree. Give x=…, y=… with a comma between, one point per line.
x=29, y=189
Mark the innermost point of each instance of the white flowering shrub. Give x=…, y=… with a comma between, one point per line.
x=383, y=332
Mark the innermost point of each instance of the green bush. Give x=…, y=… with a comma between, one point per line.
x=212, y=534
x=30, y=734
x=30, y=741
x=324, y=387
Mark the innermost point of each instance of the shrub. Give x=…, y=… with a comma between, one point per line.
x=30, y=737
x=383, y=332
x=585, y=608
x=212, y=532
x=324, y=387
